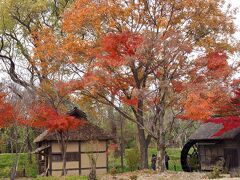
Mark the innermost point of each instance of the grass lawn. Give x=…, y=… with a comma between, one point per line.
x=6, y=161
x=173, y=153
x=31, y=169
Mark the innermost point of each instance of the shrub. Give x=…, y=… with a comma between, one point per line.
x=235, y=172
x=133, y=177
x=132, y=159
x=217, y=170
x=113, y=171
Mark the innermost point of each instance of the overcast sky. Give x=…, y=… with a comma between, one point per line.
x=236, y=3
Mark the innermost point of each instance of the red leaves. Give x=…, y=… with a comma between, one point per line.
x=229, y=123
x=116, y=48
x=6, y=112
x=131, y=102
x=217, y=65
x=43, y=116
x=230, y=119
x=201, y=103
x=216, y=61
x=213, y=66
x=178, y=86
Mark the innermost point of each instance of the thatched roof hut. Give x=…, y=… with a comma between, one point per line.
x=85, y=140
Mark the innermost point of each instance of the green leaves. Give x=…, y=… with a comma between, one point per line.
x=22, y=13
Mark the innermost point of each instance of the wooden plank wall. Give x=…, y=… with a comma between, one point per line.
x=81, y=165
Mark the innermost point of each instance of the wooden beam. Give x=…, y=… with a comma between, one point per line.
x=79, y=151
x=71, y=169
x=96, y=168
x=38, y=159
x=50, y=159
x=92, y=152
x=107, y=154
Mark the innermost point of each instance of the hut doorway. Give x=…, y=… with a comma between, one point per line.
x=231, y=158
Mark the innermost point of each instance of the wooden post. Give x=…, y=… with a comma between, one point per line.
x=50, y=159
x=121, y=143
x=107, y=153
x=79, y=150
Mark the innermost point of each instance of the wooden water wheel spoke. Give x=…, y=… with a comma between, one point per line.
x=189, y=157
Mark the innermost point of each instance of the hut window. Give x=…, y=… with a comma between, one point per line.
x=56, y=157
x=73, y=156
x=70, y=156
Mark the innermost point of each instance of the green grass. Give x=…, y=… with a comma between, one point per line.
x=31, y=170
x=173, y=153
x=6, y=161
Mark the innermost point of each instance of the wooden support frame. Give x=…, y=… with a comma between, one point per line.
x=50, y=159
x=79, y=151
x=107, y=155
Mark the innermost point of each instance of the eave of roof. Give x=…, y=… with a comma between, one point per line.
x=207, y=130
x=38, y=150
x=88, y=131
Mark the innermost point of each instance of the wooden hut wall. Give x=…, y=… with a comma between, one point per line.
x=96, y=149
x=210, y=152
x=208, y=155
x=232, y=149
x=78, y=157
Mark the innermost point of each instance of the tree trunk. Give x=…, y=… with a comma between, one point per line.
x=121, y=144
x=64, y=171
x=92, y=174
x=112, y=122
x=161, y=146
x=63, y=149
x=29, y=145
x=14, y=167
x=14, y=134
x=143, y=144
x=161, y=150
x=11, y=140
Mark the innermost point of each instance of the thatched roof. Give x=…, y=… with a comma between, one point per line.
x=77, y=113
x=207, y=130
x=88, y=131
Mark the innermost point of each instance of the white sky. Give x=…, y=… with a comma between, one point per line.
x=236, y=3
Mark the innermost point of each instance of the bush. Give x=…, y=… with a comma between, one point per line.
x=217, y=170
x=235, y=172
x=133, y=177
x=113, y=171
x=132, y=159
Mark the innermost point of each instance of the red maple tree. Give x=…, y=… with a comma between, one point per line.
x=46, y=117
x=43, y=116
x=230, y=115
x=6, y=112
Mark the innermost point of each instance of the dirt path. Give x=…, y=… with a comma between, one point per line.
x=151, y=175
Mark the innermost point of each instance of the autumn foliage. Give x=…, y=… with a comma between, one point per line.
x=45, y=117
x=6, y=112
x=151, y=56
x=231, y=119
x=201, y=103
x=117, y=49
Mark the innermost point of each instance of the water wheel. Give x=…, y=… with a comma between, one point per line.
x=190, y=157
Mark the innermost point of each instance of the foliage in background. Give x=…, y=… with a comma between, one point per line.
x=133, y=159
x=6, y=161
